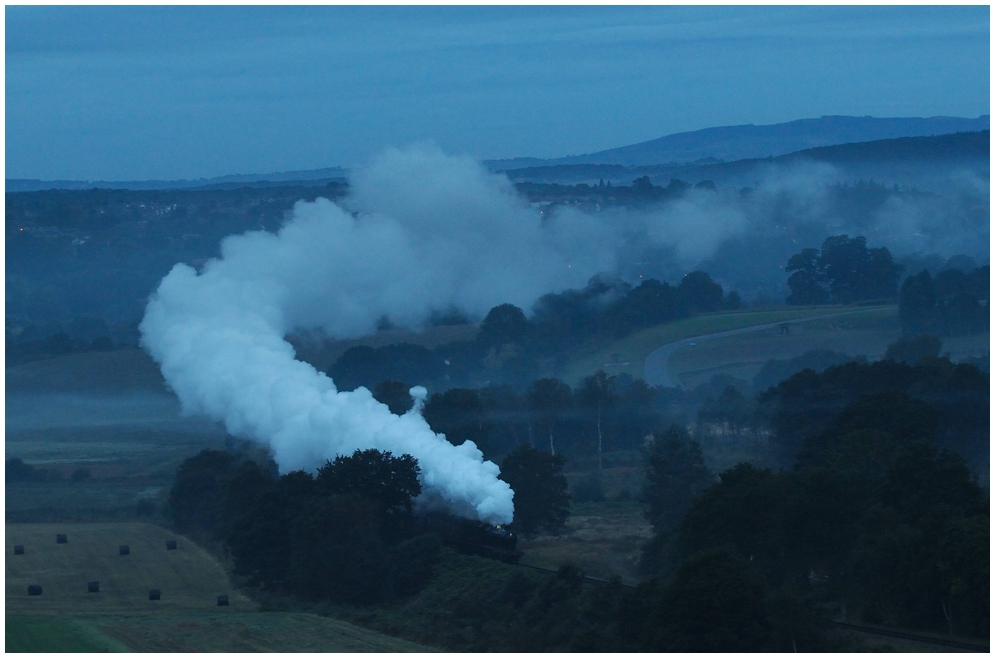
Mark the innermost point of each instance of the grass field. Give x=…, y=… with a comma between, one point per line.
x=56, y=635
x=107, y=412
x=603, y=539
x=633, y=349
x=121, y=618
x=189, y=578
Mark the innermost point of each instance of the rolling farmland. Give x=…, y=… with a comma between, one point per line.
x=66, y=617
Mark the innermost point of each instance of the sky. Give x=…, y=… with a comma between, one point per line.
x=136, y=93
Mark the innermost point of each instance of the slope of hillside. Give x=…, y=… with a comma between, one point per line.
x=752, y=141
x=904, y=156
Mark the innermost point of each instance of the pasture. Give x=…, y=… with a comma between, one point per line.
x=628, y=354
x=120, y=617
x=108, y=415
x=188, y=577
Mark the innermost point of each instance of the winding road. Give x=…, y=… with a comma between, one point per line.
x=656, y=372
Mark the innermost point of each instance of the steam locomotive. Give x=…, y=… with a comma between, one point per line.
x=474, y=537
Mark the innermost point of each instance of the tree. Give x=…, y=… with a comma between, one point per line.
x=845, y=266
x=541, y=498
x=390, y=482
x=504, y=324
x=548, y=400
x=855, y=273
x=197, y=493
x=458, y=414
x=912, y=350
x=16, y=470
x=917, y=304
x=700, y=293
x=395, y=395
x=805, y=281
x=715, y=603
x=675, y=475
x=598, y=391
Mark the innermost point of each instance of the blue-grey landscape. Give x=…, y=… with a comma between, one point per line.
x=512, y=328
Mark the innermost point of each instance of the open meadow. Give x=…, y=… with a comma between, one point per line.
x=120, y=616
x=628, y=355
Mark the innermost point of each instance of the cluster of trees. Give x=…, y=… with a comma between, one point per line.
x=715, y=602
x=345, y=534
x=877, y=509
x=844, y=271
x=510, y=348
x=604, y=413
x=802, y=405
x=953, y=303
x=642, y=191
x=873, y=517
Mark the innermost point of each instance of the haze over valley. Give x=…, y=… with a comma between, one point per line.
x=724, y=389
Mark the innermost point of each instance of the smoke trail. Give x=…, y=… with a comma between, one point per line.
x=426, y=232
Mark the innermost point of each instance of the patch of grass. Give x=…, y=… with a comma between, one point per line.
x=248, y=631
x=603, y=539
x=124, y=370
x=636, y=347
x=189, y=578
x=56, y=635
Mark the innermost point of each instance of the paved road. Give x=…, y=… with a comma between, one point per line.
x=655, y=370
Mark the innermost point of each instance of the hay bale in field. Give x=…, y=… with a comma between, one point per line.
x=170, y=544
x=124, y=549
x=93, y=586
x=34, y=590
x=61, y=539
x=154, y=595
x=223, y=599
x=19, y=549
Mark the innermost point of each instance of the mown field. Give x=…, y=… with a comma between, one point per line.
x=120, y=617
x=188, y=577
x=628, y=354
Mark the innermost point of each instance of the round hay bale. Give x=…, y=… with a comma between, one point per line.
x=223, y=599
x=34, y=590
x=93, y=586
x=170, y=544
x=154, y=594
x=61, y=539
x=19, y=549
x=124, y=549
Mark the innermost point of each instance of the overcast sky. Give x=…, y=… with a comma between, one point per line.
x=125, y=93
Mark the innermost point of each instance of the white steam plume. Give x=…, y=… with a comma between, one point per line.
x=427, y=231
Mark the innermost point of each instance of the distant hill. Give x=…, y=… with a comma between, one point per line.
x=900, y=154
x=307, y=178
x=729, y=143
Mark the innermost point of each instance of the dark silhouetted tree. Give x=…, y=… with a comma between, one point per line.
x=700, y=293
x=597, y=392
x=541, y=498
x=395, y=395
x=548, y=400
x=675, y=475
x=390, y=482
x=504, y=324
x=912, y=350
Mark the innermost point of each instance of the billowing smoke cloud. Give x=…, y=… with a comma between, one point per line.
x=423, y=231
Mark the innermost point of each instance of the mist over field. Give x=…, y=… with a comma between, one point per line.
x=498, y=329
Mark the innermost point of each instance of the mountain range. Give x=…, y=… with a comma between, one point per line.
x=696, y=148
x=727, y=143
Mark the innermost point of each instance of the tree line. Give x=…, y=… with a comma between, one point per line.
x=510, y=348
